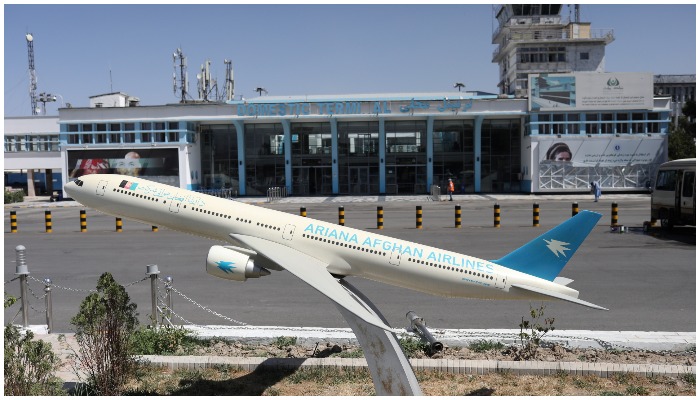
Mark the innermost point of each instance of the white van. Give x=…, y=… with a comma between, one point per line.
x=673, y=197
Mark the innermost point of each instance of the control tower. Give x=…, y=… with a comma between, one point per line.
x=534, y=38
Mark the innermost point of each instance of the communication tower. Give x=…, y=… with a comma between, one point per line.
x=179, y=55
x=32, y=73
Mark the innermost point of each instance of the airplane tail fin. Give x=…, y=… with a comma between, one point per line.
x=546, y=256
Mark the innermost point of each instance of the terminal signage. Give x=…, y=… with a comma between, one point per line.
x=591, y=91
x=601, y=152
x=159, y=165
x=410, y=107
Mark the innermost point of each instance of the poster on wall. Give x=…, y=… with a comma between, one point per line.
x=591, y=91
x=601, y=152
x=160, y=165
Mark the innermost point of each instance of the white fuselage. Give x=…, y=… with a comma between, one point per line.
x=347, y=251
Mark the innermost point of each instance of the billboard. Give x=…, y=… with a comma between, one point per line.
x=160, y=165
x=591, y=91
x=601, y=152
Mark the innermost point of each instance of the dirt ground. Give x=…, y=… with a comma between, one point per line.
x=553, y=353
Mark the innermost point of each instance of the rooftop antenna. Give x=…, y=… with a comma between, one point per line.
x=179, y=55
x=205, y=83
x=229, y=80
x=32, y=73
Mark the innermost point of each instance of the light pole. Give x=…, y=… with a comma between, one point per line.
x=459, y=86
x=46, y=98
x=260, y=90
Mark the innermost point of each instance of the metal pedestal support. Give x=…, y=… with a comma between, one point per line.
x=390, y=370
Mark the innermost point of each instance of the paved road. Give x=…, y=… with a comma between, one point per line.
x=647, y=281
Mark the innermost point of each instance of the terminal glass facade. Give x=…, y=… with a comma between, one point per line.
x=453, y=154
x=219, y=156
x=311, y=158
x=406, y=170
x=264, y=157
x=358, y=157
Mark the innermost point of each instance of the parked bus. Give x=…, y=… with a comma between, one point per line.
x=673, y=197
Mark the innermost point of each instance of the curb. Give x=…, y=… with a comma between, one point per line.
x=470, y=367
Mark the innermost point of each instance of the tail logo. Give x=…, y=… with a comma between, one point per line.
x=557, y=247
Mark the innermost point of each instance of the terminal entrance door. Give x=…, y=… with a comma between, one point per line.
x=312, y=181
x=359, y=180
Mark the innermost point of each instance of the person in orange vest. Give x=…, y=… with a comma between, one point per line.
x=450, y=187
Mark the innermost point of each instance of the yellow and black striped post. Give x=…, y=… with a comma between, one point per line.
x=119, y=224
x=613, y=215
x=83, y=221
x=419, y=217
x=154, y=228
x=380, y=217
x=535, y=215
x=47, y=221
x=496, y=215
x=458, y=216
x=341, y=216
x=574, y=209
x=302, y=211
x=13, y=221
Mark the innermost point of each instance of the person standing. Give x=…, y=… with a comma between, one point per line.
x=450, y=187
x=595, y=189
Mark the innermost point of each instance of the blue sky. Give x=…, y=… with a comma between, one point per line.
x=299, y=49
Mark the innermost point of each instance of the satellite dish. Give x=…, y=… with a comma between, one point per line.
x=30, y=37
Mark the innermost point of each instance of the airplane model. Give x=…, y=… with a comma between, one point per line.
x=321, y=253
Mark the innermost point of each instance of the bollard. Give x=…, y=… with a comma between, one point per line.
x=419, y=217
x=496, y=215
x=168, y=298
x=152, y=272
x=613, y=215
x=302, y=211
x=535, y=214
x=83, y=221
x=119, y=224
x=458, y=216
x=13, y=221
x=154, y=228
x=341, y=216
x=574, y=209
x=22, y=270
x=47, y=221
x=49, y=305
x=380, y=217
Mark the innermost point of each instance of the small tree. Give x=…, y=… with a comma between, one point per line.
x=681, y=139
x=531, y=333
x=104, y=325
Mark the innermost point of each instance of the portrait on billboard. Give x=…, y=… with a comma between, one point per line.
x=156, y=164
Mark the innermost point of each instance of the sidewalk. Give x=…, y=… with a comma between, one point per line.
x=43, y=201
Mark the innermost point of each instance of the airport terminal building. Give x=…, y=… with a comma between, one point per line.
x=572, y=129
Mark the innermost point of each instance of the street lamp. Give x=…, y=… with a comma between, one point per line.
x=260, y=90
x=459, y=86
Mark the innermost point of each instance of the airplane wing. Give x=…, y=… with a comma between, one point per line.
x=313, y=272
x=557, y=296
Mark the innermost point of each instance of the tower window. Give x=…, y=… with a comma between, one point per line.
x=583, y=56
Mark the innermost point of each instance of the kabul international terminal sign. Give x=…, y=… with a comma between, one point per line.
x=591, y=91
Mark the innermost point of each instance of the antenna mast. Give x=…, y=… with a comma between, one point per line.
x=32, y=73
x=229, y=80
x=183, y=75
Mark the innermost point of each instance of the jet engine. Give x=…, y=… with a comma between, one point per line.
x=230, y=264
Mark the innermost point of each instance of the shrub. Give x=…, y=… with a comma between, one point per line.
x=14, y=196
x=105, y=322
x=164, y=340
x=482, y=345
x=531, y=333
x=30, y=365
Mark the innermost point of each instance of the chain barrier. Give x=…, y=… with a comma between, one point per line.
x=12, y=280
x=207, y=309
x=80, y=290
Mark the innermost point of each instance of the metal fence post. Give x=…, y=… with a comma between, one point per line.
x=83, y=221
x=419, y=217
x=341, y=216
x=458, y=216
x=574, y=209
x=496, y=215
x=13, y=221
x=22, y=270
x=168, y=298
x=49, y=305
x=380, y=217
x=47, y=221
x=535, y=215
x=152, y=272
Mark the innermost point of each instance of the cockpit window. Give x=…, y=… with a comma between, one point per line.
x=78, y=182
